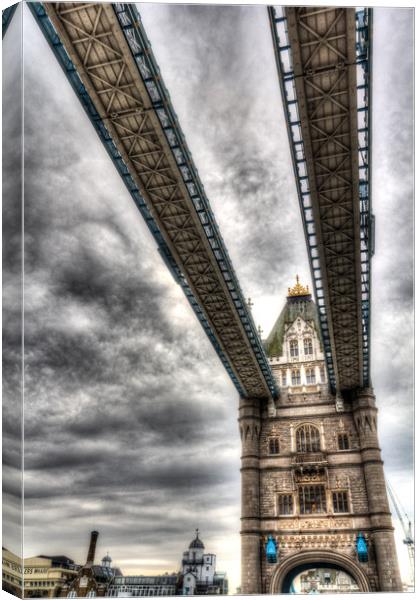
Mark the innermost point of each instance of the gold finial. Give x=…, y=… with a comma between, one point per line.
x=298, y=289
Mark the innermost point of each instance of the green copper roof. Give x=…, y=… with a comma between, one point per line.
x=298, y=306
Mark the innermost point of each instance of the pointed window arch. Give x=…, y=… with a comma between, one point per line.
x=308, y=439
x=296, y=377
x=294, y=348
x=273, y=445
x=343, y=441
x=284, y=378
x=308, y=347
x=310, y=376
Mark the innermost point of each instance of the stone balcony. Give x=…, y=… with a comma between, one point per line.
x=310, y=458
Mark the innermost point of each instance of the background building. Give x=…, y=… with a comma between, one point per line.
x=140, y=585
x=12, y=581
x=198, y=575
x=199, y=571
x=91, y=580
x=44, y=576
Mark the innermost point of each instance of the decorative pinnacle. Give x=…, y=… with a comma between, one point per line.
x=259, y=330
x=298, y=289
x=249, y=303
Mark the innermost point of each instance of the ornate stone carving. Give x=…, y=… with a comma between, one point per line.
x=330, y=540
x=317, y=523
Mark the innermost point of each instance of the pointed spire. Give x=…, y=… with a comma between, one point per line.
x=249, y=304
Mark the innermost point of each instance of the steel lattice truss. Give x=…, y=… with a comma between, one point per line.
x=323, y=62
x=106, y=55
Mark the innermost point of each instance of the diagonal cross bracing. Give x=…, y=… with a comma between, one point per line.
x=323, y=60
x=106, y=55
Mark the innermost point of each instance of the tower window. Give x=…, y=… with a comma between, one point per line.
x=294, y=350
x=308, y=439
x=273, y=446
x=310, y=376
x=307, y=347
x=284, y=378
x=312, y=499
x=343, y=441
x=296, y=377
x=340, y=502
x=322, y=372
x=285, y=504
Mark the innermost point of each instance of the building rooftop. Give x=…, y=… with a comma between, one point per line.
x=197, y=543
x=298, y=303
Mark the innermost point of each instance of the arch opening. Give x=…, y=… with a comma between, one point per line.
x=319, y=578
x=350, y=573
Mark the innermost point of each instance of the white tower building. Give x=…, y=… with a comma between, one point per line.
x=199, y=571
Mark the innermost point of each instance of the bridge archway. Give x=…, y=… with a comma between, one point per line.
x=300, y=562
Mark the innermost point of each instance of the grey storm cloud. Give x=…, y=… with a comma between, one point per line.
x=130, y=418
x=11, y=291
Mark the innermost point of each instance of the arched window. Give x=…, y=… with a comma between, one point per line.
x=296, y=377
x=343, y=441
x=312, y=499
x=284, y=378
x=273, y=446
x=294, y=350
x=310, y=376
x=308, y=439
x=285, y=504
x=307, y=346
x=340, y=502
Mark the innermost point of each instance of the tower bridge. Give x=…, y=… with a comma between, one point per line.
x=313, y=488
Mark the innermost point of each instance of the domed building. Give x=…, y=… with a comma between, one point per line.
x=198, y=571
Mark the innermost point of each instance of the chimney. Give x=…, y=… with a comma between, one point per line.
x=92, y=547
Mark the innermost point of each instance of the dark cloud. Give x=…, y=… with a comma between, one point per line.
x=11, y=286
x=392, y=297
x=126, y=404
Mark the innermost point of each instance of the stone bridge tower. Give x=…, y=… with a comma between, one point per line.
x=315, y=513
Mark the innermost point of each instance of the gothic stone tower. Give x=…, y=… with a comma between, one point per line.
x=312, y=475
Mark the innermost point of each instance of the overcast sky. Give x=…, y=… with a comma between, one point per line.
x=130, y=418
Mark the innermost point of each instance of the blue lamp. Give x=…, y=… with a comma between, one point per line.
x=361, y=548
x=271, y=550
